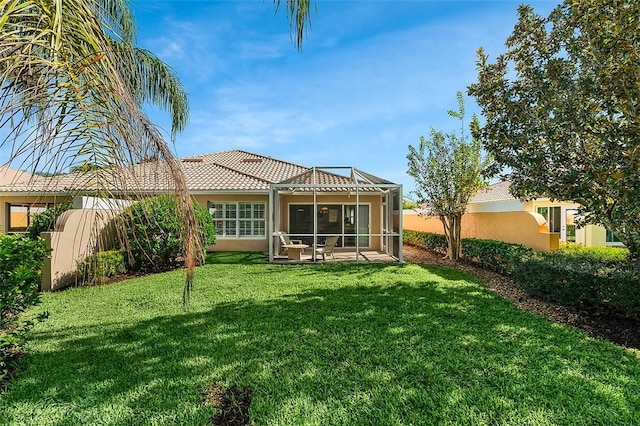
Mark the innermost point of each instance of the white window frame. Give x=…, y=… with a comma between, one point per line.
x=238, y=215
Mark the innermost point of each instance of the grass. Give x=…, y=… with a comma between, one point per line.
x=339, y=344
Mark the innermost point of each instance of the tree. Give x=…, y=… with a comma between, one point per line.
x=156, y=245
x=448, y=170
x=562, y=110
x=72, y=90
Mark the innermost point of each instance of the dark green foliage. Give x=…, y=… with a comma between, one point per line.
x=427, y=240
x=154, y=233
x=21, y=261
x=44, y=222
x=495, y=255
x=587, y=277
x=581, y=277
x=100, y=265
x=561, y=110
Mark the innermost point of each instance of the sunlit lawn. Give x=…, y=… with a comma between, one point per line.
x=348, y=344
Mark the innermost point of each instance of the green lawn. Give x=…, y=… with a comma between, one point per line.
x=327, y=344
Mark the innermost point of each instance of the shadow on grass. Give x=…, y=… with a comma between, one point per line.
x=235, y=258
x=407, y=353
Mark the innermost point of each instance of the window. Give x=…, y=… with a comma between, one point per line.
x=611, y=238
x=239, y=220
x=19, y=216
x=552, y=214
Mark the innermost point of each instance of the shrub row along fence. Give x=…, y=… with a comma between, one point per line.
x=595, y=278
x=21, y=260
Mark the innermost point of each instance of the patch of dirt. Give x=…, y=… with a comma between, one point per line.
x=10, y=360
x=232, y=404
x=615, y=328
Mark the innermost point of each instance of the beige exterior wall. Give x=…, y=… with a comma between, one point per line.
x=512, y=227
x=77, y=234
x=375, y=210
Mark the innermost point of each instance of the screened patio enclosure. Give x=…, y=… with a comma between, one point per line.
x=362, y=210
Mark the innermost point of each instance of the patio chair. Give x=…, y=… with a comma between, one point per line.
x=327, y=247
x=285, y=241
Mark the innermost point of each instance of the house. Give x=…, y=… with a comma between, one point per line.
x=9, y=176
x=493, y=213
x=251, y=198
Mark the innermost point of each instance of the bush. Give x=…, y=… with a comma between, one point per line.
x=494, y=255
x=427, y=240
x=100, y=265
x=21, y=261
x=608, y=255
x=44, y=222
x=593, y=280
x=153, y=230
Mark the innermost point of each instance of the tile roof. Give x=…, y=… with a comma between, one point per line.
x=223, y=171
x=323, y=177
x=234, y=170
x=9, y=176
x=494, y=193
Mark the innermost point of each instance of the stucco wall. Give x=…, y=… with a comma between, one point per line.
x=512, y=227
x=77, y=234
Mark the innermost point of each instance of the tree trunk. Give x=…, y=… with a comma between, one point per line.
x=452, y=229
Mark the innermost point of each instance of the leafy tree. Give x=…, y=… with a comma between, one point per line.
x=73, y=90
x=562, y=109
x=157, y=244
x=448, y=170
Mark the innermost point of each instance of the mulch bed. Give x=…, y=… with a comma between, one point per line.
x=615, y=328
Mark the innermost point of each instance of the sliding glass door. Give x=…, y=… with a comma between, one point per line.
x=343, y=220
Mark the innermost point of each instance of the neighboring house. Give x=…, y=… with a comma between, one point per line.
x=22, y=215
x=250, y=196
x=494, y=213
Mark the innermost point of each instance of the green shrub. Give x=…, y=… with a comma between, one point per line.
x=44, y=222
x=591, y=281
x=494, y=255
x=100, y=265
x=153, y=228
x=427, y=240
x=21, y=261
x=609, y=255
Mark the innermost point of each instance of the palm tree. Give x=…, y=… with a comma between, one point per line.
x=72, y=87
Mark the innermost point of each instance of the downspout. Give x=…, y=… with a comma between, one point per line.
x=315, y=216
x=271, y=222
x=400, y=228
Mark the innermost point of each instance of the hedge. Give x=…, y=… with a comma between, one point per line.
x=100, y=265
x=495, y=255
x=599, y=278
x=427, y=240
x=582, y=280
x=21, y=262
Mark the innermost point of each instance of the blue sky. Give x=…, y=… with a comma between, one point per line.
x=372, y=76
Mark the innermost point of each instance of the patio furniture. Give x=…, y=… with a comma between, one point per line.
x=327, y=247
x=286, y=242
x=294, y=250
